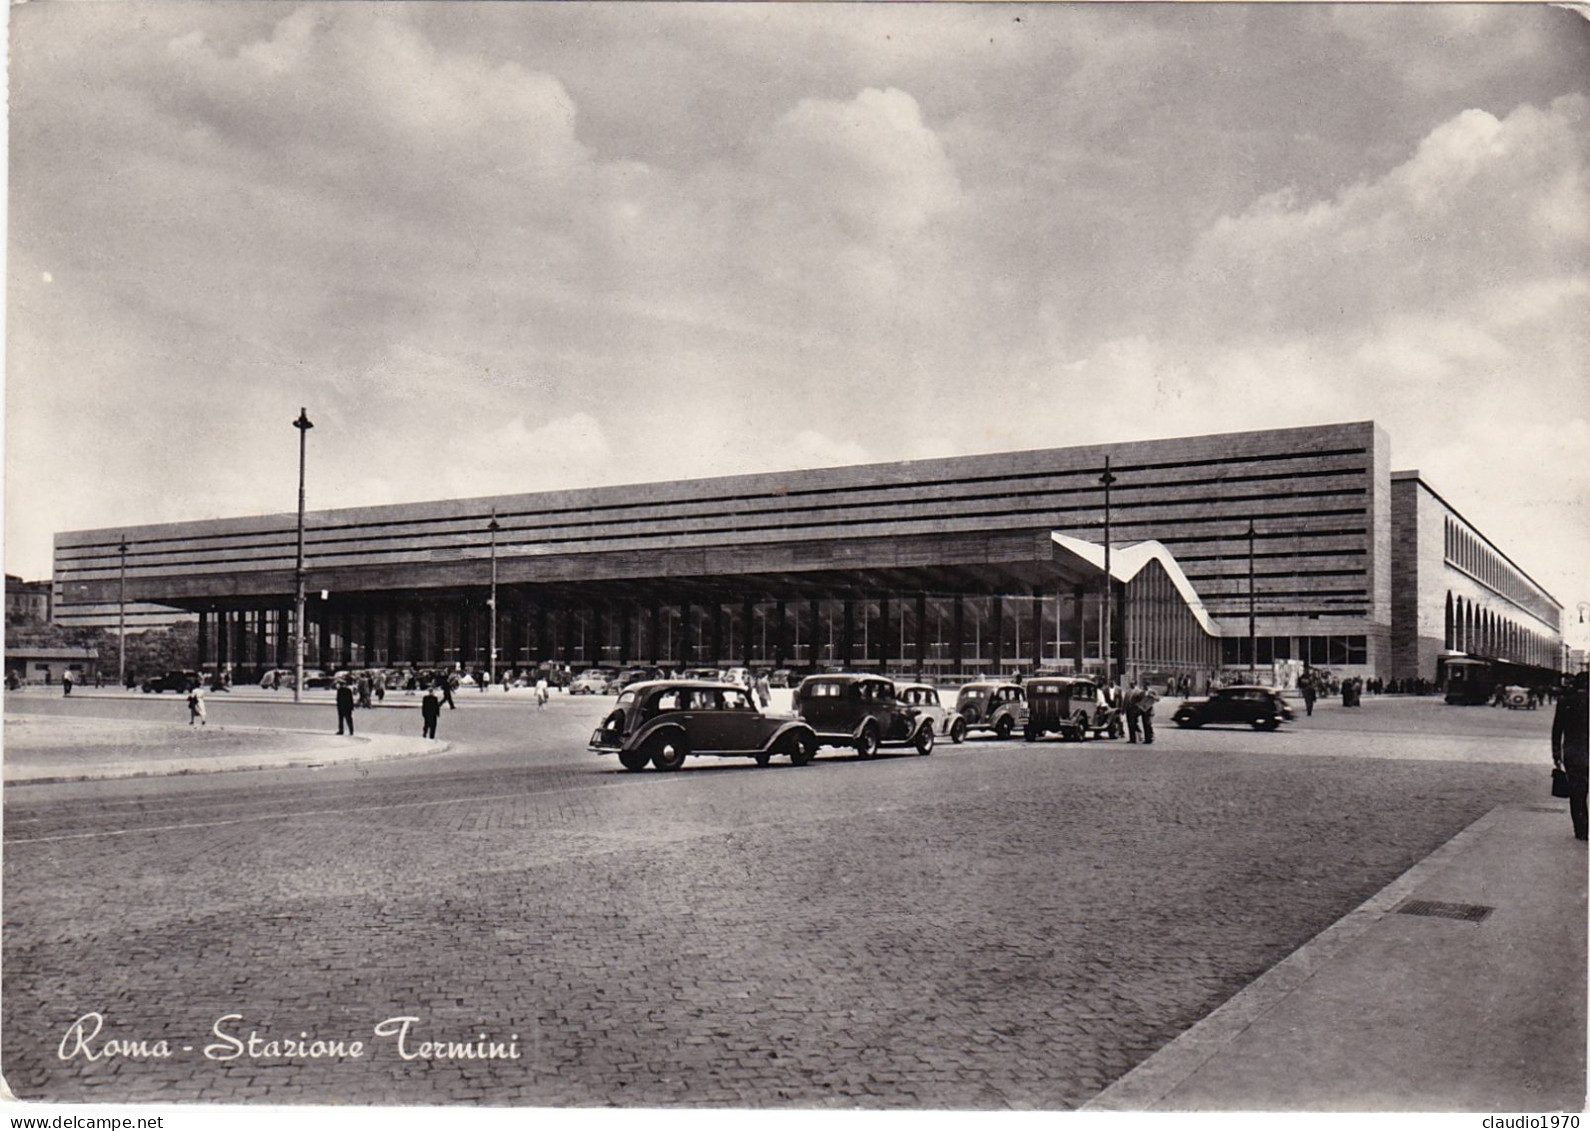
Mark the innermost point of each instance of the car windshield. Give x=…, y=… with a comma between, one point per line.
x=974, y=694
x=626, y=700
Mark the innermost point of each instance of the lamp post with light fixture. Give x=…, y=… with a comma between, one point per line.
x=303, y=425
x=491, y=603
x=1109, y=589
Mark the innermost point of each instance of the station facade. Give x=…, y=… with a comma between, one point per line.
x=954, y=568
x=1458, y=594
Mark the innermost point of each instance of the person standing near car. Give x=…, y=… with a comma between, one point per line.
x=1146, y=707
x=344, y=706
x=1570, y=743
x=430, y=711
x=1134, y=711
x=1306, y=686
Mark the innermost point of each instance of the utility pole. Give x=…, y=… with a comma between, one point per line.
x=1109, y=587
x=303, y=425
x=491, y=605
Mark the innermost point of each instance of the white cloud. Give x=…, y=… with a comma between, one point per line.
x=1482, y=203
x=869, y=165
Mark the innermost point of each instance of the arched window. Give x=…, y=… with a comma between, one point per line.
x=1450, y=640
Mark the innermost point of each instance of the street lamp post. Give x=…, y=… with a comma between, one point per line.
x=491, y=604
x=121, y=620
x=303, y=425
x=1253, y=639
x=1109, y=589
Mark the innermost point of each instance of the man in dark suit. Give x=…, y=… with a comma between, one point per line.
x=344, y=706
x=430, y=711
x=1570, y=742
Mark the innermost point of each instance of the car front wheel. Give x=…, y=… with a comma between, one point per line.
x=867, y=742
x=800, y=751
x=1003, y=729
x=958, y=731
x=668, y=753
x=634, y=759
x=924, y=740
x=1080, y=722
x=1266, y=723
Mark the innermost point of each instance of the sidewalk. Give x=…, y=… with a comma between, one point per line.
x=41, y=749
x=1394, y=1011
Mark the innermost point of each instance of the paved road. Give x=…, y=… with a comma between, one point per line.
x=997, y=925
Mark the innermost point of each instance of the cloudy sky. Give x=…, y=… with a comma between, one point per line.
x=509, y=247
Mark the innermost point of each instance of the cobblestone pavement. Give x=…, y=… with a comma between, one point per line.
x=997, y=925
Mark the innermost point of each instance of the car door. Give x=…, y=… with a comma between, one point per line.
x=1227, y=707
x=894, y=719
x=709, y=725
x=739, y=722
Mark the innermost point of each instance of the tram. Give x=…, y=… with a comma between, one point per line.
x=1471, y=680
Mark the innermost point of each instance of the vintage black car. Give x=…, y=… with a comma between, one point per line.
x=1260, y=707
x=1070, y=707
x=992, y=705
x=180, y=682
x=666, y=721
x=864, y=711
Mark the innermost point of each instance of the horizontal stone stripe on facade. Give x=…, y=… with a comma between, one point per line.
x=1161, y=509
x=781, y=510
x=1161, y=519
x=1227, y=450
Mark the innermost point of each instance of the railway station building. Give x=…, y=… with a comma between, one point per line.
x=953, y=568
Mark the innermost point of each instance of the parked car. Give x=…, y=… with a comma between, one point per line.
x=1068, y=706
x=592, y=681
x=864, y=711
x=783, y=677
x=630, y=676
x=181, y=682
x=663, y=722
x=710, y=675
x=925, y=698
x=992, y=705
x=1260, y=707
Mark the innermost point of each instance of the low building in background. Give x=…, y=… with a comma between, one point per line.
x=38, y=665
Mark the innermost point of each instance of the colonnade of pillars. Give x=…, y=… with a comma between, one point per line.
x=436, y=634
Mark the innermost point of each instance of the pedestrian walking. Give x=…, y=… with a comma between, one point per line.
x=446, y=685
x=1570, y=744
x=1306, y=685
x=430, y=711
x=541, y=693
x=764, y=690
x=196, y=707
x=344, y=706
x=66, y=682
